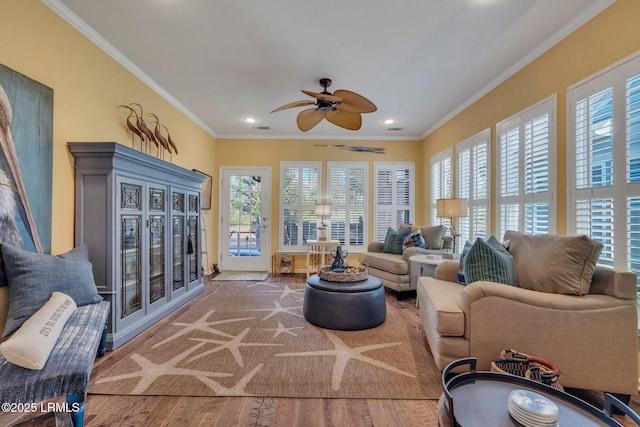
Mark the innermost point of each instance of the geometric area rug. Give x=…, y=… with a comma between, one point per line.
x=251, y=339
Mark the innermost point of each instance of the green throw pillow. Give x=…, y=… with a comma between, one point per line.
x=33, y=277
x=489, y=261
x=393, y=240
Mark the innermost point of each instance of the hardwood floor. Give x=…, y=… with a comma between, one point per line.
x=252, y=411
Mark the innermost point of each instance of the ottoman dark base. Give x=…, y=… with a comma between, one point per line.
x=345, y=306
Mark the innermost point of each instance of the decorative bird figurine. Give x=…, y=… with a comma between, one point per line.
x=11, y=177
x=156, y=132
x=142, y=126
x=131, y=126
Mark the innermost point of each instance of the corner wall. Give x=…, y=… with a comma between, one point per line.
x=609, y=37
x=87, y=86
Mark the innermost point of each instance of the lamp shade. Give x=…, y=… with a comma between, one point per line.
x=451, y=208
x=322, y=210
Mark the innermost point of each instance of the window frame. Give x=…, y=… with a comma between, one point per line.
x=349, y=207
x=443, y=180
x=380, y=229
x=300, y=206
x=474, y=202
x=522, y=199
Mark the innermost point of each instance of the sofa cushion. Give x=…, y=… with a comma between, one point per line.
x=465, y=251
x=556, y=264
x=392, y=263
x=414, y=240
x=440, y=299
x=433, y=236
x=393, y=240
x=33, y=277
x=488, y=261
x=31, y=345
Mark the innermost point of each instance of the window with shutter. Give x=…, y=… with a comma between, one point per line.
x=473, y=184
x=604, y=147
x=527, y=172
x=347, y=193
x=300, y=189
x=394, y=193
x=441, y=182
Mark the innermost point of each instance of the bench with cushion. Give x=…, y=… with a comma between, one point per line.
x=53, y=324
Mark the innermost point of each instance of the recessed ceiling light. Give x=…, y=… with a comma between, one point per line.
x=250, y=120
x=388, y=121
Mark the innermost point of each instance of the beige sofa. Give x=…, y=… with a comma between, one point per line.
x=593, y=338
x=395, y=270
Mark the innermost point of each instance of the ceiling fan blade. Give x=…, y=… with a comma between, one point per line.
x=307, y=119
x=293, y=105
x=345, y=119
x=353, y=102
x=324, y=96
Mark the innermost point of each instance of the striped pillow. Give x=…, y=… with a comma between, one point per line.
x=489, y=261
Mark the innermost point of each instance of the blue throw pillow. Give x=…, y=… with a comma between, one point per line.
x=33, y=277
x=393, y=240
x=465, y=251
x=414, y=239
x=489, y=261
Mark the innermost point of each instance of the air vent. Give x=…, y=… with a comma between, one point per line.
x=394, y=129
x=263, y=128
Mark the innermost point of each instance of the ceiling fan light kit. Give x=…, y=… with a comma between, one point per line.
x=343, y=108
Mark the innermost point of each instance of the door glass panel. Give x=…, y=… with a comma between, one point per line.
x=192, y=245
x=156, y=258
x=131, y=265
x=178, y=252
x=244, y=216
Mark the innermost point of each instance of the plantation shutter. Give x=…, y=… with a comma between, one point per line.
x=441, y=182
x=527, y=170
x=347, y=184
x=605, y=161
x=473, y=185
x=394, y=192
x=299, y=192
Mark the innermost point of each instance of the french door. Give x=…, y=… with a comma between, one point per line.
x=245, y=229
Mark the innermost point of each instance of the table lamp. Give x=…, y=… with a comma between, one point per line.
x=452, y=208
x=322, y=210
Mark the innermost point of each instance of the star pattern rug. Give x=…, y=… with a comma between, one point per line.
x=251, y=339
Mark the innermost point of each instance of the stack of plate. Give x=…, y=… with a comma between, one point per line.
x=532, y=409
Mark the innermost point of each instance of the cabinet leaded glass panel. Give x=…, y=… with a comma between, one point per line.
x=156, y=257
x=178, y=252
x=131, y=265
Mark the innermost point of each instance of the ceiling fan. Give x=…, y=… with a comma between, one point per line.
x=342, y=108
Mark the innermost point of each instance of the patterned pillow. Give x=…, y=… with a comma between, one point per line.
x=393, y=240
x=33, y=277
x=465, y=251
x=489, y=261
x=414, y=239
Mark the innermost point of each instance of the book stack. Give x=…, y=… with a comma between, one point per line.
x=532, y=409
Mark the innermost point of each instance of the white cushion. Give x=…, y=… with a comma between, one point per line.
x=32, y=343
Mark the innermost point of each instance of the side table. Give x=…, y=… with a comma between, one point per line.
x=428, y=263
x=319, y=254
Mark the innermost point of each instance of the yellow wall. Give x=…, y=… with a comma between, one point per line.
x=609, y=37
x=262, y=152
x=87, y=86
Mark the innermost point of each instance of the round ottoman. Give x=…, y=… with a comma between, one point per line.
x=345, y=306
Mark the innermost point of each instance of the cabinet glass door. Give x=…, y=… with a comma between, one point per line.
x=192, y=238
x=157, y=239
x=131, y=265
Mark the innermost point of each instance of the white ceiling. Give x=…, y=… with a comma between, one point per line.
x=419, y=61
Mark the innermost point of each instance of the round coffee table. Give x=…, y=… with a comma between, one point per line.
x=345, y=306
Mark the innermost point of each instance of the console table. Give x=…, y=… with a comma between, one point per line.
x=319, y=254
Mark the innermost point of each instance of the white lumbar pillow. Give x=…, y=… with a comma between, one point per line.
x=31, y=345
